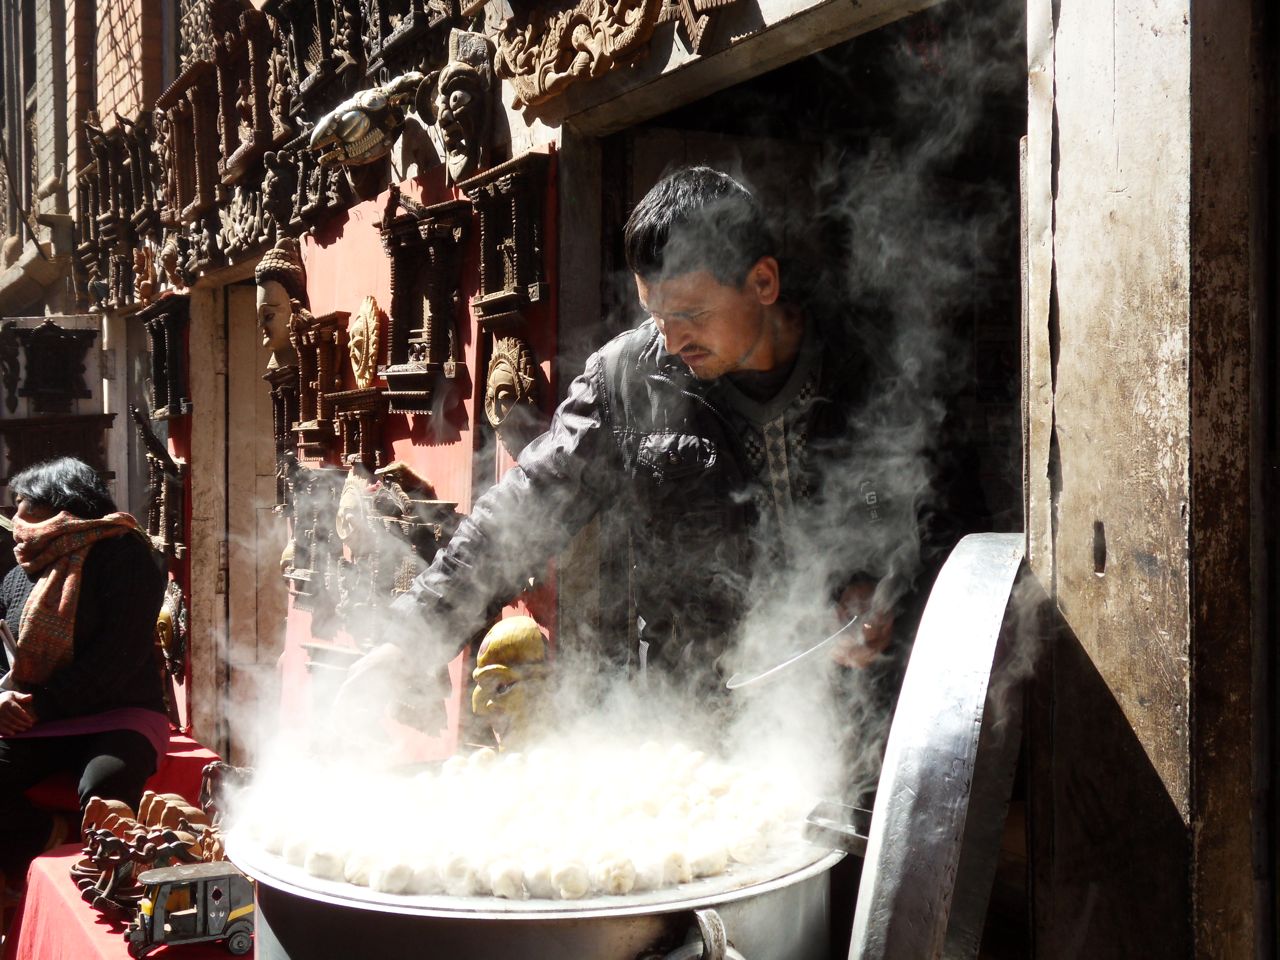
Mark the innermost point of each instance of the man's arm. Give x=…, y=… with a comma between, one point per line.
x=560, y=482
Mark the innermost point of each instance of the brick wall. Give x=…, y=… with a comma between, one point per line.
x=130, y=47
x=51, y=98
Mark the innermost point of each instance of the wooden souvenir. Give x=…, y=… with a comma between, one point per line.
x=166, y=324
x=509, y=201
x=54, y=366
x=397, y=31
x=318, y=342
x=424, y=244
x=462, y=103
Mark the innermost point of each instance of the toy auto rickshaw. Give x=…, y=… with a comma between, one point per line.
x=191, y=903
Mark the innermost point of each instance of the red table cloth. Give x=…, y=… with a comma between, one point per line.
x=53, y=923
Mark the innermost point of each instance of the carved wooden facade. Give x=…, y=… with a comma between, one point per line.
x=424, y=244
x=508, y=200
x=166, y=325
x=54, y=366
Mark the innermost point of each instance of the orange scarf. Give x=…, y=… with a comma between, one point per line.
x=55, y=549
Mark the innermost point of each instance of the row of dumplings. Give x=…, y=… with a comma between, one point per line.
x=550, y=824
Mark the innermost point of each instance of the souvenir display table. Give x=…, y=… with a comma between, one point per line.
x=53, y=923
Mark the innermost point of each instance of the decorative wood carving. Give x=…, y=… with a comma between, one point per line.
x=143, y=170
x=166, y=324
x=55, y=366
x=397, y=30
x=9, y=363
x=312, y=570
x=544, y=49
x=509, y=201
x=358, y=416
x=202, y=244
x=187, y=127
x=310, y=191
x=364, y=342
x=463, y=103
x=280, y=189
x=404, y=505
x=243, y=56
x=145, y=281
x=284, y=414
x=424, y=244
x=509, y=396
x=32, y=440
x=693, y=15
x=245, y=224
x=318, y=341
x=166, y=483
x=325, y=47
x=363, y=127
x=106, y=232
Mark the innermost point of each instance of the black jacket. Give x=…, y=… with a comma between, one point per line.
x=639, y=437
x=115, y=662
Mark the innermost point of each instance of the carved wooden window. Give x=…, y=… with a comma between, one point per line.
x=424, y=244
x=319, y=342
x=284, y=414
x=317, y=551
x=188, y=134
x=55, y=366
x=508, y=200
x=166, y=324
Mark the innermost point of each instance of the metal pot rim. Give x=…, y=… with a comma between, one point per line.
x=805, y=861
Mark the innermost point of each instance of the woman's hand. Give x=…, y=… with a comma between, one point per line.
x=861, y=647
x=17, y=715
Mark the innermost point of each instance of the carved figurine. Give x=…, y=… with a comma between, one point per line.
x=510, y=388
x=281, y=280
x=171, y=630
x=364, y=343
x=363, y=127
x=510, y=675
x=463, y=103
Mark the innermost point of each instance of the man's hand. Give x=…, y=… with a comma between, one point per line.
x=386, y=681
x=17, y=715
x=861, y=646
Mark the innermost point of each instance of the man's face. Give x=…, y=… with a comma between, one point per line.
x=715, y=329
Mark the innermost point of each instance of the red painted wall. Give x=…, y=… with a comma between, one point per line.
x=345, y=262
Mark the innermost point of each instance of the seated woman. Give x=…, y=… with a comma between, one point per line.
x=80, y=687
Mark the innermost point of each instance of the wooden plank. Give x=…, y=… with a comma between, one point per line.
x=1227, y=83
x=1121, y=253
x=207, y=363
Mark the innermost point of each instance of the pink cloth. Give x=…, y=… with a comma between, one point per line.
x=154, y=726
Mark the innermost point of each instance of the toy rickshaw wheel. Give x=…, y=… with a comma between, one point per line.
x=240, y=943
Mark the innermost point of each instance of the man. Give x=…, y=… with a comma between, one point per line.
x=723, y=430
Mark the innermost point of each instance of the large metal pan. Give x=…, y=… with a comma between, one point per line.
x=774, y=911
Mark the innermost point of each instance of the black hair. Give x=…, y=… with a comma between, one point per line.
x=66, y=484
x=694, y=219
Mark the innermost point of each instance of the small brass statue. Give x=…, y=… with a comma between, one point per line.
x=510, y=676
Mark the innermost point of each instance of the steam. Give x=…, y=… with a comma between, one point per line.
x=909, y=250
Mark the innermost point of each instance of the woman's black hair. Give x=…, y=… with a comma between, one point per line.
x=64, y=484
x=695, y=219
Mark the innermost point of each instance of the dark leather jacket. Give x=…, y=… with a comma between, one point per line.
x=641, y=438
